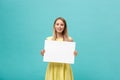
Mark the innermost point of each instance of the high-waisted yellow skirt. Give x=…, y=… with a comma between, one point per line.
x=58, y=71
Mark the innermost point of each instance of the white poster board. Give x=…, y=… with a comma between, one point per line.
x=59, y=51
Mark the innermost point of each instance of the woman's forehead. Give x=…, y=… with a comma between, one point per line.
x=59, y=21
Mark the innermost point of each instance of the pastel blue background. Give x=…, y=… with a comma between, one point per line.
x=93, y=24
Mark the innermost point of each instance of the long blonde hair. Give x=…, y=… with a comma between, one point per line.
x=65, y=31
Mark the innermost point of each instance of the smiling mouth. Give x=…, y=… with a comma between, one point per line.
x=59, y=29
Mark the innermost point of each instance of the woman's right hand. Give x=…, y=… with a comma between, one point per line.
x=42, y=52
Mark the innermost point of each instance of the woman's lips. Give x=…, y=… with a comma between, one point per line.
x=59, y=29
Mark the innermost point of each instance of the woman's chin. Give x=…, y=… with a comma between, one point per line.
x=59, y=31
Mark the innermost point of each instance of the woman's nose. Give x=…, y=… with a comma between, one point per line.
x=59, y=25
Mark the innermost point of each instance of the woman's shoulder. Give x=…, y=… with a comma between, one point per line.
x=49, y=38
x=70, y=39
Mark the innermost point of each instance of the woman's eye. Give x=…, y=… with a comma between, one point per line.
x=57, y=24
x=61, y=24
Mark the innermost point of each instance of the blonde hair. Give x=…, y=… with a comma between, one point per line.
x=65, y=31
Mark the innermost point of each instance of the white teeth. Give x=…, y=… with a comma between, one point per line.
x=59, y=28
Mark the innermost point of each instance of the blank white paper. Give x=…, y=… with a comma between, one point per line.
x=59, y=51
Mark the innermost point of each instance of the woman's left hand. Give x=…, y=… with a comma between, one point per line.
x=75, y=53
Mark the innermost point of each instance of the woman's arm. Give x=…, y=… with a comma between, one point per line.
x=75, y=52
x=43, y=50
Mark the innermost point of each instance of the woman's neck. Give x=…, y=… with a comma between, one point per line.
x=59, y=35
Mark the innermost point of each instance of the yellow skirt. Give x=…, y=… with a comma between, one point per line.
x=58, y=71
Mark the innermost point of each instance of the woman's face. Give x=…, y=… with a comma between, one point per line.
x=59, y=26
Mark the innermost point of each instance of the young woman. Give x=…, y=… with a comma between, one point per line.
x=59, y=71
